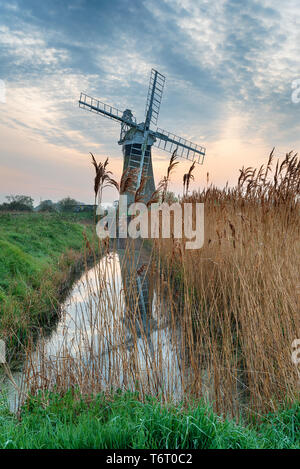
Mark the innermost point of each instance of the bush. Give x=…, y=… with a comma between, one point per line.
x=67, y=204
x=18, y=203
x=47, y=206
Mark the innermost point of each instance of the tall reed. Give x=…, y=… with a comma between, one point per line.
x=220, y=321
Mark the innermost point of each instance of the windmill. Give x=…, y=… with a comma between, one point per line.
x=137, y=139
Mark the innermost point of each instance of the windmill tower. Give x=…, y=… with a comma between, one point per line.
x=138, y=139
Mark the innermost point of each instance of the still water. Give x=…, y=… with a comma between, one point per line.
x=98, y=338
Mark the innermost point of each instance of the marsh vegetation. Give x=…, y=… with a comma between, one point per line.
x=218, y=323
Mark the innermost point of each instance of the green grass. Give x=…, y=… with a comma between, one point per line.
x=123, y=422
x=36, y=253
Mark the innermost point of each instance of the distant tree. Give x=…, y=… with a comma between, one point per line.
x=170, y=197
x=46, y=206
x=67, y=204
x=16, y=203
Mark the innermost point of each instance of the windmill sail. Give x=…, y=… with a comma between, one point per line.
x=185, y=149
x=155, y=91
x=94, y=105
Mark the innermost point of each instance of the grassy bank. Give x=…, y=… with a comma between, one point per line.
x=122, y=422
x=38, y=255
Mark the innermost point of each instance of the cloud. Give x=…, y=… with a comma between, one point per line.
x=29, y=48
x=229, y=65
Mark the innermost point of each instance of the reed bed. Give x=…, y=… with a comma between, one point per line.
x=242, y=288
x=220, y=321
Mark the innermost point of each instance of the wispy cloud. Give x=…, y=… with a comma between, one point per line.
x=229, y=67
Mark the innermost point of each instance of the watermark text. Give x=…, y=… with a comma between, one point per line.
x=136, y=220
x=2, y=352
x=296, y=92
x=2, y=92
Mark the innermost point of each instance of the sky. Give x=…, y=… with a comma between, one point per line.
x=229, y=66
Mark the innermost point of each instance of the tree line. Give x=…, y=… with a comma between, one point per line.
x=24, y=203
